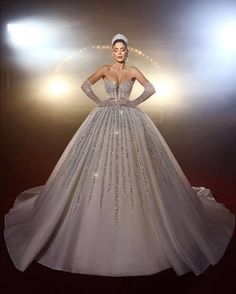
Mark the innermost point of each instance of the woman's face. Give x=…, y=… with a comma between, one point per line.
x=119, y=52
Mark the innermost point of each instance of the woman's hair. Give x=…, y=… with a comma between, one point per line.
x=120, y=40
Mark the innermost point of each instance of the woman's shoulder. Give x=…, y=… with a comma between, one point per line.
x=105, y=67
x=134, y=68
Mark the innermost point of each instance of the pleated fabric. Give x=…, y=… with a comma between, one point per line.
x=117, y=203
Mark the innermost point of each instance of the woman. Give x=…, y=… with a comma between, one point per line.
x=117, y=202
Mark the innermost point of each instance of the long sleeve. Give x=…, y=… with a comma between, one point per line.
x=87, y=88
x=148, y=91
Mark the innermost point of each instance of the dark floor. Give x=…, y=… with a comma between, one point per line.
x=32, y=145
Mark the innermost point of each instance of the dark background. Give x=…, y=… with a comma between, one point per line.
x=200, y=130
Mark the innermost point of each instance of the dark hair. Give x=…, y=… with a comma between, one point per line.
x=120, y=40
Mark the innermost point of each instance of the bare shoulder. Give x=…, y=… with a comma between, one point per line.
x=139, y=76
x=133, y=68
x=99, y=73
x=106, y=66
x=103, y=68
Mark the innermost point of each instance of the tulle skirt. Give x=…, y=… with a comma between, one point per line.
x=117, y=203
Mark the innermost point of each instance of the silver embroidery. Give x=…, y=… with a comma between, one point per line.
x=117, y=136
x=93, y=136
x=123, y=161
x=108, y=147
x=95, y=175
x=128, y=160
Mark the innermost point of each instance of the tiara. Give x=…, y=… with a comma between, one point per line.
x=120, y=37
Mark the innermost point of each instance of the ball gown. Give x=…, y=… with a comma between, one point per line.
x=117, y=203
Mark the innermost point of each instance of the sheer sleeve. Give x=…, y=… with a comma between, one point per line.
x=87, y=88
x=148, y=91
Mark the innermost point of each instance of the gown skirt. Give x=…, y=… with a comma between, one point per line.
x=117, y=203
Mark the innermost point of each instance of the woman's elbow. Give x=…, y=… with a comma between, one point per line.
x=153, y=90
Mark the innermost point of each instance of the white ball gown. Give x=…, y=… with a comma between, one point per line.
x=117, y=203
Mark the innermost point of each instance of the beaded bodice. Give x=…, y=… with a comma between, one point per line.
x=122, y=90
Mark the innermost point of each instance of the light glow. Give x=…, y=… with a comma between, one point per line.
x=227, y=36
x=166, y=89
x=58, y=87
x=28, y=34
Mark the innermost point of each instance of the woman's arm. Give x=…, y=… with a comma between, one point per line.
x=98, y=74
x=148, y=91
x=87, y=85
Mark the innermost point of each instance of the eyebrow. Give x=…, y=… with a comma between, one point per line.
x=121, y=48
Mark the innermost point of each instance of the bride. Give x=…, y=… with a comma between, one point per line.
x=117, y=202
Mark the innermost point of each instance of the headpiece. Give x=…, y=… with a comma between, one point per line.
x=119, y=36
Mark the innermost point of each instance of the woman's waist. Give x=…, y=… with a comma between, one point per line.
x=117, y=98
x=113, y=101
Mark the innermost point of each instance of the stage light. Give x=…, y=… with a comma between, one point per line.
x=227, y=36
x=58, y=87
x=27, y=34
x=165, y=87
x=169, y=91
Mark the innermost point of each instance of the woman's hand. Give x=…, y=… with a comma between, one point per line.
x=109, y=102
x=112, y=101
x=126, y=102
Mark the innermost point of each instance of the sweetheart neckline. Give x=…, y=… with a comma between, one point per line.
x=127, y=81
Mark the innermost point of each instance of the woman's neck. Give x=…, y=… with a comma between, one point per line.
x=119, y=66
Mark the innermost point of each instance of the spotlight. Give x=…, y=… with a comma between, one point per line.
x=58, y=87
x=227, y=37
x=27, y=34
x=168, y=91
x=165, y=88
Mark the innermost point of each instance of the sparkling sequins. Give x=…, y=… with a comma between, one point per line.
x=101, y=144
x=166, y=173
x=138, y=161
x=111, y=152
x=107, y=162
x=122, y=90
x=90, y=142
x=128, y=159
x=117, y=142
x=107, y=146
x=123, y=170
